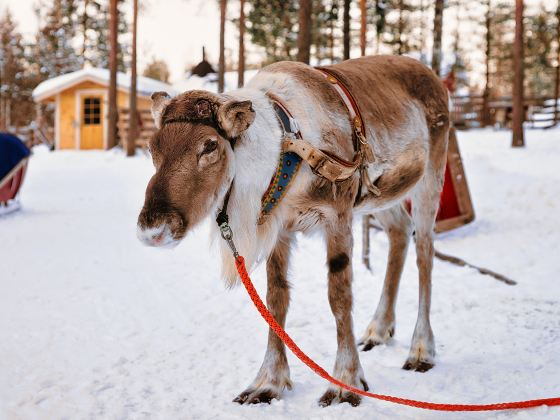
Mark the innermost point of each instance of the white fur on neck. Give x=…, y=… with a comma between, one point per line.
x=254, y=162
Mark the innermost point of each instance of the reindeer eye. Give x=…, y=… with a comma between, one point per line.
x=210, y=146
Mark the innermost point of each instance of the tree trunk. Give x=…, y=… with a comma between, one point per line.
x=222, y=61
x=113, y=45
x=2, y=112
x=331, y=35
x=85, y=21
x=518, y=109
x=400, y=49
x=346, y=29
x=557, y=80
x=241, y=59
x=304, y=33
x=363, y=27
x=486, y=95
x=438, y=28
x=133, y=111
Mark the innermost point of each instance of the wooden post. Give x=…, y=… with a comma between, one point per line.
x=363, y=27
x=438, y=25
x=113, y=45
x=222, y=61
x=346, y=29
x=518, y=108
x=304, y=33
x=241, y=59
x=133, y=115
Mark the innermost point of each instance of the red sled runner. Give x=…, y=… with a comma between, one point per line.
x=14, y=157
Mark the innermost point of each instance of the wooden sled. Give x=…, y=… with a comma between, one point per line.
x=455, y=207
x=10, y=186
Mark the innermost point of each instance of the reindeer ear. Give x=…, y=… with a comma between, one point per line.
x=159, y=102
x=234, y=117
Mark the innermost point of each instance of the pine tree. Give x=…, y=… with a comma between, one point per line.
x=54, y=52
x=501, y=48
x=539, y=37
x=12, y=72
x=399, y=26
x=323, y=23
x=380, y=21
x=99, y=51
x=271, y=26
x=331, y=22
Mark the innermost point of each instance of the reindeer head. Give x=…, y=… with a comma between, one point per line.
x=192, y=152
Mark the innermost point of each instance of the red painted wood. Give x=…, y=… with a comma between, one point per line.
x=448, y=205
x=11, y=188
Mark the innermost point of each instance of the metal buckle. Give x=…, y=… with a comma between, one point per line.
x=227, y=235
x=294, y=126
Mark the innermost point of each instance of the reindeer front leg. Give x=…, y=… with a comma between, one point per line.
x=274, y=374
x=347, y=367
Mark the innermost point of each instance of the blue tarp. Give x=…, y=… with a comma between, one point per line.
x=12, y=152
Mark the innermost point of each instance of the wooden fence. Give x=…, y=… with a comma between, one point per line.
x=34, y=134
x=467, y=111
x=146, y=127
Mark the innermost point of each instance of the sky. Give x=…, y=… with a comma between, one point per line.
x=174, y=30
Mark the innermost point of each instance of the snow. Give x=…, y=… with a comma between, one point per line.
x=146, y=86
x=94, y=325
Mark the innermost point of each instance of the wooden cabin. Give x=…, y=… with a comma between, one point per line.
x=80, y=105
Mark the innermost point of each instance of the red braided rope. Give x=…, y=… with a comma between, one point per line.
x=283, y=335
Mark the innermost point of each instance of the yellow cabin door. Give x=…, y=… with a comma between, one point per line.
x=91, y=122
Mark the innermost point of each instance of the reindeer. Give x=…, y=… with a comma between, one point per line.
x=208, y=144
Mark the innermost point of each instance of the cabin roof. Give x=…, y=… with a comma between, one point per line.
x=145, y=85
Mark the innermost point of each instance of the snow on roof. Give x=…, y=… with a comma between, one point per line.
x=145, y=85
x=210, y=81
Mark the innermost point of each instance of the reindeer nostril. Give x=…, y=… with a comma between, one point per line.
x=158, y=237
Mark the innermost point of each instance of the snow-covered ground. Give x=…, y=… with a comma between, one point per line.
x=94, y=325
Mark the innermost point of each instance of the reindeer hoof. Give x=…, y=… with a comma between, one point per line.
x=418, y=365
x=327, y=398
x=375, y=336
x=333, y=395
x=254, y=396
x=369, y=344
x=342, y=396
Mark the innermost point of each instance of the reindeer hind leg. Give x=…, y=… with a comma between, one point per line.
x=397, y=224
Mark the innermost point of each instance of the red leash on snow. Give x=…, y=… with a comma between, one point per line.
x=283, y=335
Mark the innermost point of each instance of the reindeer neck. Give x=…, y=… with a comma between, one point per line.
x=254, y=163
